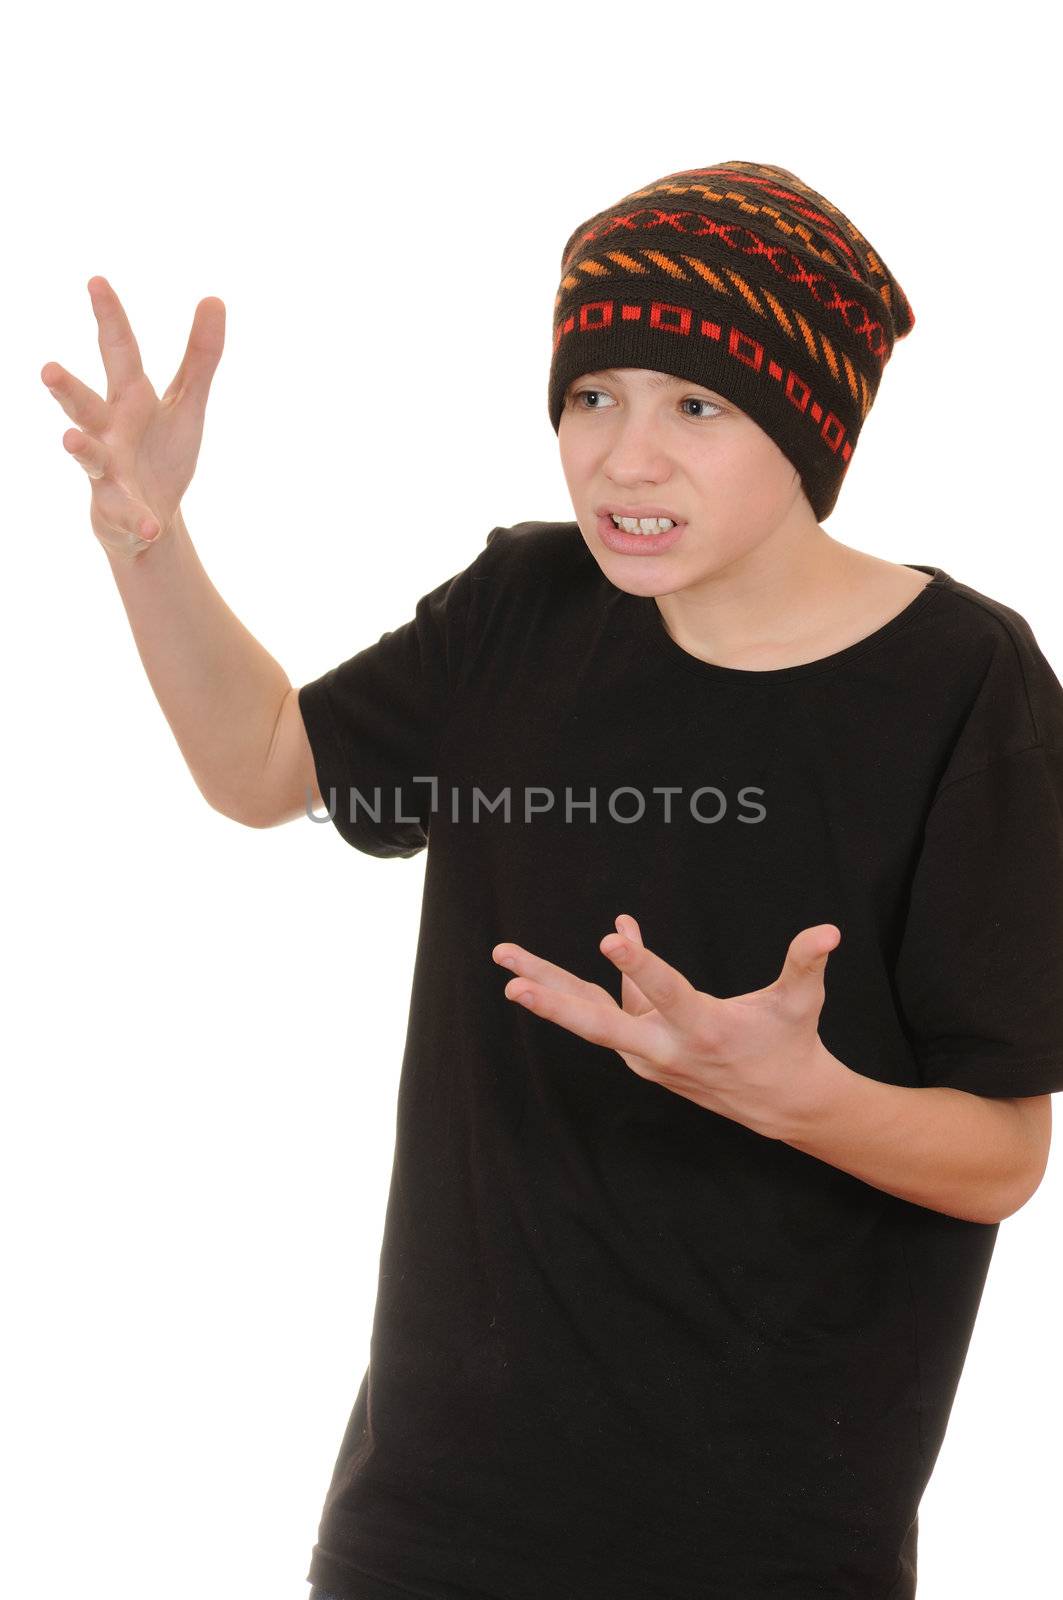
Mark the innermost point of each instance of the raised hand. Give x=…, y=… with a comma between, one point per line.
x=139, y=451
x=756, y=1058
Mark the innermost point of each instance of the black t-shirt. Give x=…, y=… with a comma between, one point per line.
x=625, y=1348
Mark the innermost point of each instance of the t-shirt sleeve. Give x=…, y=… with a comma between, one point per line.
x=979, y=977
x=375, y=720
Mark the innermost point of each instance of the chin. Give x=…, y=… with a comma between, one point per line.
x=641, y=577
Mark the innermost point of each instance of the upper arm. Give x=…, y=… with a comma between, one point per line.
x=289, y=777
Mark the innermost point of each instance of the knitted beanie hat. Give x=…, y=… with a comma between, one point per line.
x=740, y=277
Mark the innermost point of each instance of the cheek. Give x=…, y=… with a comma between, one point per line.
x=576, y=451
x=746, y=471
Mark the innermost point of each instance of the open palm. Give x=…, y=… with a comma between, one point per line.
x=752, y=1057
x=138, y=450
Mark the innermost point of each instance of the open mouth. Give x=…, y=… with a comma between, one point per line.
x=633, y=540
x=655, y=522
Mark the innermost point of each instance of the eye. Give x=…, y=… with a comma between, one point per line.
x=577, y=395
x=698, y=400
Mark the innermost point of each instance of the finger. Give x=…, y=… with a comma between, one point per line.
x=631, y=996
x=678, y=1002
x=526, y=965
x=801, y=980
x=121, y=511
x=81, y=404
x=590, y=1019
x=120, y=351
x=87, y=452
x=202, y=352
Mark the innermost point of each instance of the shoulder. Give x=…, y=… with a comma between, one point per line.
x=1009, y=692
x=536, y=565
x=532, y=580
x=986, y=617
x=540, y=546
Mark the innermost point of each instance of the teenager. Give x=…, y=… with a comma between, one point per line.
x=738, y=998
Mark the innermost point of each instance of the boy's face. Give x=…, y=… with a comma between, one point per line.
x=634, y=437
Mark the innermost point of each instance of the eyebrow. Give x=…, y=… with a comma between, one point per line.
x=660, y=380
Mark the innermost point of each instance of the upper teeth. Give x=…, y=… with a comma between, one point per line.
x=642, y=524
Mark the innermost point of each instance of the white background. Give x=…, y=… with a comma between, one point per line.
x=206, y=1021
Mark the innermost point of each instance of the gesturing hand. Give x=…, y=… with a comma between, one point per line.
x=756, y=1058
x=139, y=451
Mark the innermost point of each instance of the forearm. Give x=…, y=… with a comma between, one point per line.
x=219, y=689
x=951, y=1151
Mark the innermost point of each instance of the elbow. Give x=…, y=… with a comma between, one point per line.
x=1033, y=1116
x=1022, y=1191
x=236, y=810
x=251, y=819
x=267, y=815
x=252, y=822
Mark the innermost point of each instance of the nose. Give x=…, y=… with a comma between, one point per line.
x=637, y=454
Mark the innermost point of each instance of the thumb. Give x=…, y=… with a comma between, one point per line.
x=814, y=945
x=806, y=959
x=632, y=998
x=206, y=342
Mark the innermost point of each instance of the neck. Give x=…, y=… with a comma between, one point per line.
x=785, y=591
